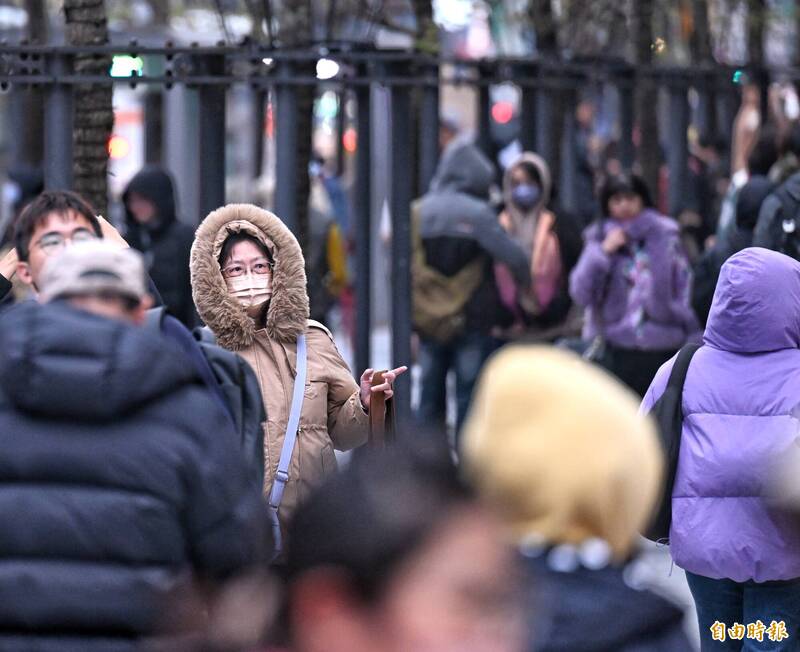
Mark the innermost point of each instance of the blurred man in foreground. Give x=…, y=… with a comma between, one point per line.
x=119, y=481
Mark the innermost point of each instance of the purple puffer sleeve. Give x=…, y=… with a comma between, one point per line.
x=588, y=279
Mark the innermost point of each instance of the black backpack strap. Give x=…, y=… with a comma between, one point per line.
x=668, y=413
x=677, y=377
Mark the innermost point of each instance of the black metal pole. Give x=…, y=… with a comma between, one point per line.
x=727, y=106
x=58, y=127
x=569, y=162
x=625, y=89
x=545, y=106
x=341, y=127
x=706, y=107
x=678, y=152
x=154, y=126
x=286, y=147
x=429, y=130
x=527, y=113
x=400, y=206
x=259, y=115
x=362, y=230
x=211, y=134
x=483, y=137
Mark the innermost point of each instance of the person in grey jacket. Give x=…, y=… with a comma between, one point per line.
x=458, y=241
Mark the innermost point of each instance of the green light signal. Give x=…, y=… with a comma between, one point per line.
x=124, y=65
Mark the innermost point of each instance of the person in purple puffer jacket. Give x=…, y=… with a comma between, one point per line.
x=633, y=279
x=741, y=405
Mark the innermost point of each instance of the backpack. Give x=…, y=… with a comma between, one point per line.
x=668, y=414
x=790, y=229
x=236, y=385
x=438, y=301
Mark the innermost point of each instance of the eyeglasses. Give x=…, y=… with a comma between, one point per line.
x=259, y=267
x=52, y=243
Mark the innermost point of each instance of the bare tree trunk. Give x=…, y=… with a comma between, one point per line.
x=427, y=39
x=160, y=10
x=295, y=31
x=756, y=26
x=700, y=39
x=32, y=136
x=426, y=42
x=756, y=22
x=540, y=14
x=544, y=23
x=701, y=50
x=256, y=9
x=649, y=154
x=93, y=113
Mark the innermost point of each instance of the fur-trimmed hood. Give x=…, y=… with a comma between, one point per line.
x=288, y=309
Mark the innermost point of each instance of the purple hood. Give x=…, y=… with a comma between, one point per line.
x=756, y=305
x=740, y=406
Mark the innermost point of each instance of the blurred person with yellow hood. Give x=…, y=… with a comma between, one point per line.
x=559, y=448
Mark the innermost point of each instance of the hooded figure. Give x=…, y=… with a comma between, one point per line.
x=152, y=228
x=557, y=446
x=706, y=271
x=741, y=404
x=457, y=241
x=551, y=241
x=262, y=326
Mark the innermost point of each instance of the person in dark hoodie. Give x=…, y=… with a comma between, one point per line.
x=152, y=227
x=457, y=240
x=706, y=271
x=120, y=482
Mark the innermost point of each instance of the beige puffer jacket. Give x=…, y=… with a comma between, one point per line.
x=332, y=415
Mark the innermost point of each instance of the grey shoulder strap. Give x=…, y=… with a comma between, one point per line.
x=290, y=438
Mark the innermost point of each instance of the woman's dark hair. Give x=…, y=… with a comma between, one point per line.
x=531, y=170
x=765, y=152
x=624, y=183
x=371, y=517
x=235, y=238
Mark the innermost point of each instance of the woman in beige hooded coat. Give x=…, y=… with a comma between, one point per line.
x=249, y=286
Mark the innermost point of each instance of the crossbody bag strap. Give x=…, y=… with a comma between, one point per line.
x=290, y=438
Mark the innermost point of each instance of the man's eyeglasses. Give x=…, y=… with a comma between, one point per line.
x=52, y=243
x=260, y=267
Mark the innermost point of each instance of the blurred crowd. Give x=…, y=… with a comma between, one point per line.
x=172, y=404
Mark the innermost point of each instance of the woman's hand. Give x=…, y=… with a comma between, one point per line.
x=386, y=386
x=110, y=233
x=615, y=240
x=8, y=265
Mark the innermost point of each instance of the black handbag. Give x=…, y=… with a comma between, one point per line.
x=668, y=414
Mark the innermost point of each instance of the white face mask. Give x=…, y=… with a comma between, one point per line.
x=250, y=289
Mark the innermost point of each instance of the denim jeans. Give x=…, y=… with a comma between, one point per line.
x=465, y=356
x=729, y=602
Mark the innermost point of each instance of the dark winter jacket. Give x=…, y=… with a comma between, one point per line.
x=119, y=479
x=783, y=204
x=706, y=271
x=458, y=228
x=599, y=611
x=165, y=242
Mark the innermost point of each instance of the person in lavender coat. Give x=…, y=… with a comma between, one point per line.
x=741, y=405
x=633, y=279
